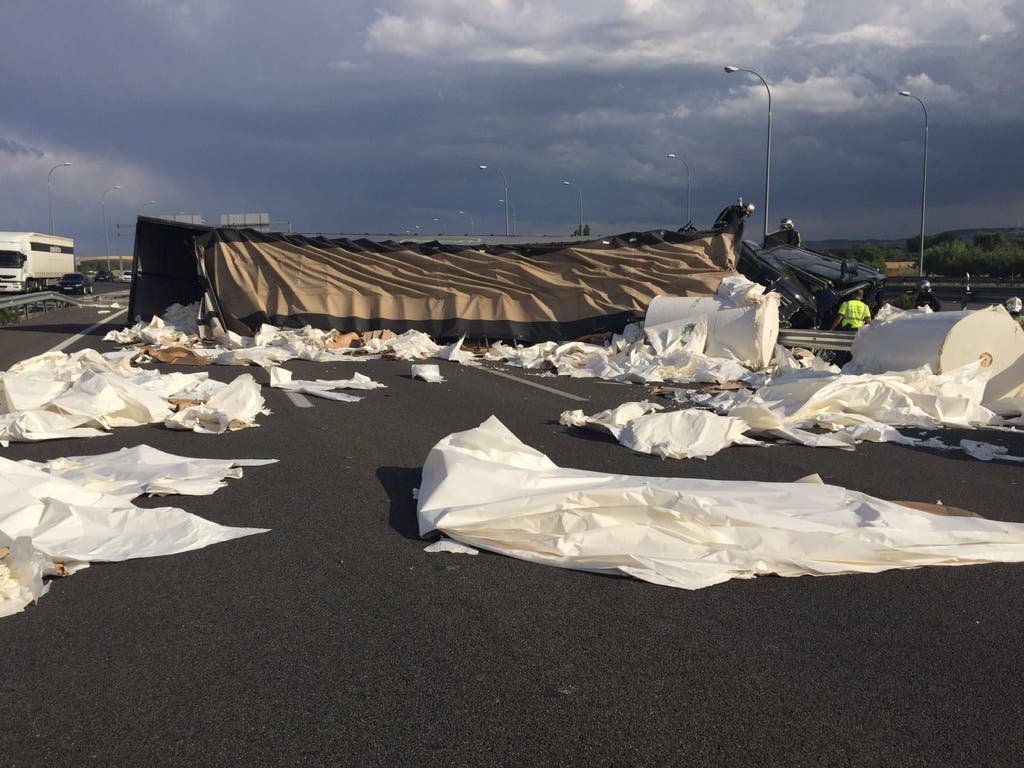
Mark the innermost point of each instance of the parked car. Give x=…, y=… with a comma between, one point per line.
x=75, y=282
x=104, y=276
x=124, y=277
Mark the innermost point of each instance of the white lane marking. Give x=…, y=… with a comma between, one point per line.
x=72, y=339
x=552, y=390
x=298, y=400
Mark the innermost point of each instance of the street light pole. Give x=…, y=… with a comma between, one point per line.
x=768, y=146
x=472, y=224
x=49, y=193
x=103, y=208
x=443, y=224
x=506, y=201
x=924, y=180
x=673, y=155
x=580, y=190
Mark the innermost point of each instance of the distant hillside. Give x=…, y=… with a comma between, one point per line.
x=966, y=234
x=824, y=245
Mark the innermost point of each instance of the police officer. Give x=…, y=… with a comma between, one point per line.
x=1014, y=306
x=925, y=297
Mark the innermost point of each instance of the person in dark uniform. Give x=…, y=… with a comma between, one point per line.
x=825, y=301
x=785, y=235
x=733, y=213
x=925, y=297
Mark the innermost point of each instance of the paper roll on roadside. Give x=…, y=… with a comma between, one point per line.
x=746, y=333
x=946, y=341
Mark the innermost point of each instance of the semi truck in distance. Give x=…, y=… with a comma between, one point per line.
x=30, y=261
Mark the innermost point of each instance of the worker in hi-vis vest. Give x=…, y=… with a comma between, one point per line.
x=853, y=313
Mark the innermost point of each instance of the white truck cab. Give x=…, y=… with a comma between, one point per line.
x=30, y=261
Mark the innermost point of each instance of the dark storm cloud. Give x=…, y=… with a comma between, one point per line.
x=365, y=119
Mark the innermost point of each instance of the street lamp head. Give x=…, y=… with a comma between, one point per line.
x=731, y=69
x=567, y=183
x=483, y=167
x=906, y=93
x=65, y=163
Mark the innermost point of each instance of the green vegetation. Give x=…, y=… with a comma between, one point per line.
x=9, y=315
x=992, y=254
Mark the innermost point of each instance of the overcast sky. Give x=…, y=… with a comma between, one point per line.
x=363, y=117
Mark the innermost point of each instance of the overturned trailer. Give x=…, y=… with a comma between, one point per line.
x=529, y=292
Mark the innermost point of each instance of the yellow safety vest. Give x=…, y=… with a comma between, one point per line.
x=854, y=313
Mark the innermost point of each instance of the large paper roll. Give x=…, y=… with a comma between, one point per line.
x=946, y=341
x=747, y=333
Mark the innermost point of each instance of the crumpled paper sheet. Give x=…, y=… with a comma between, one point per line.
x=131, y=472
x=281, y=378
x=487, y=489
x=687, y=434
x=856, y=408
x=690, y=434
x=455, y=353
x=452, y=547
x=56, y=395
x=46, y=520
x=612, y=421
x=21, y=574
x=917, y=398
x=428, y=373
x=230, y=408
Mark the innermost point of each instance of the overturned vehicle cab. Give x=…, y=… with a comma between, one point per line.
x=811, y=284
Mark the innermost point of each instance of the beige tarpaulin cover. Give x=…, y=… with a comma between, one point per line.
x=485, y=488
x=532, y=293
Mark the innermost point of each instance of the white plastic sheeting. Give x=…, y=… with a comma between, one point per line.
x=131, y=472
x=487, y=489
x=427, y=372
x=281, y=378
x=945, y=341
x=49, y=524
x=673, y=435
x=229, y=408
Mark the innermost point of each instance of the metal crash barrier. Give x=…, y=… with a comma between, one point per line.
x=49, y=301
x=817, y=339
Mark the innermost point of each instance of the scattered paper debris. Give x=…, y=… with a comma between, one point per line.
x=51, y=526
x=131, y=472
x=447, y=545
x=486, y=489
x=281, y=378
x=429, y=373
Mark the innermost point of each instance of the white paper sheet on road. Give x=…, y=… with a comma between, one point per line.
x=281, y=378
x=487, y=489
x=428, y=373
x=131, y=472
x=612, y=421
x=57, y=395
x=673, y=435
x=689, y=434
x=46, y=519
x=231, y=407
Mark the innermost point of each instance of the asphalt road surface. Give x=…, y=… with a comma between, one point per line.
x=334, y=640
